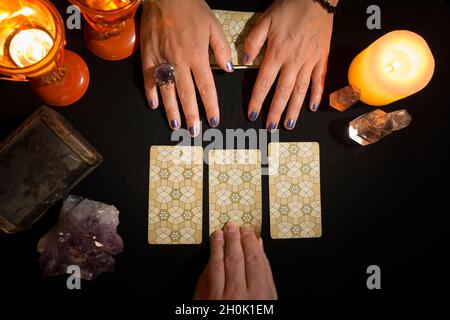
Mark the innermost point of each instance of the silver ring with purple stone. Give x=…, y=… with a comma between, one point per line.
x=164, y=74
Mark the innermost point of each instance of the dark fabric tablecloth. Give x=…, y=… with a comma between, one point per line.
x=384, y=204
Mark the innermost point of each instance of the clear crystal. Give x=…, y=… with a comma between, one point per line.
x=400, y=119
x=375, y=125
x=344, y=98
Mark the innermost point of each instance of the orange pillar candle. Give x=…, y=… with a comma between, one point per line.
x=394, y=67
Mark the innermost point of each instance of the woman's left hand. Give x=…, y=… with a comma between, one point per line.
x=298, y=34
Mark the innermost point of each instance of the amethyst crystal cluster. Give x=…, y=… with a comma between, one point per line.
x=85, y=235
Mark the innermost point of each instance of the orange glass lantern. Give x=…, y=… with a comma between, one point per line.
x=32, y=43
x=111, y=32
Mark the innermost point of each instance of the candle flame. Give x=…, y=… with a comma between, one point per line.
x=393, y=66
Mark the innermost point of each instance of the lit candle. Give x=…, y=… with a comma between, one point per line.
x=394, y=67
x=30, y=46
x=32, y=40
x=107, y=5
x=111, y=29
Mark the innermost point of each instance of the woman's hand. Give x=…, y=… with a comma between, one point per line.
x=180, y=32
x=298, y=34
x=238, y=268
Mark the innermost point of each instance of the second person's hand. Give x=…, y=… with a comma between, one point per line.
x=238, y=268
x=179, y=32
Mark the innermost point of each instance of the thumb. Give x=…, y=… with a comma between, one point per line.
x=256, y=39
x=220, y=47
x=317, y=84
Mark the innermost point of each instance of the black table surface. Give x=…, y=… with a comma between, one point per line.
x=383, y=204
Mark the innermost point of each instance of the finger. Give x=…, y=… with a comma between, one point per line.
x=268, y=270
x=255, y=269
x=216, y=263
x=234, y=259
x=186, y=93
x=318, y=82
x=149, y=82
x=171, y=105
x=207, y=88
x=269, y=276
x=297, y=97
x=283, y=91
x=264, y=81
x=220, y=47
x=256, y=39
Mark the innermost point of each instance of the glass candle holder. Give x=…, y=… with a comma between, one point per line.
x=111, y=32
x=32, y=43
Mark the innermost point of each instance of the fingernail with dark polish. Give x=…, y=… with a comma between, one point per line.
x=193, y=131
x=253, y=116
x=272, y=126
x=314, y=107
x=230, y=66
x=290, y=124
x=213, y=122
x=246, y=58
x=153, y=104
x=174, y=124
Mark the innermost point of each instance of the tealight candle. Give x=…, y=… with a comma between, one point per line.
x=394, y=67
x=30, y=46
x=32, y=40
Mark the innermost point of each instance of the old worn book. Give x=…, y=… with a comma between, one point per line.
x=39, y=163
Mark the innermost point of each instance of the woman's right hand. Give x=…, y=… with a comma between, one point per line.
x=180, y=32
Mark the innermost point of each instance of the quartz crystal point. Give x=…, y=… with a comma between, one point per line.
x=344, y=98
x=375, y=125
x=85, y=236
